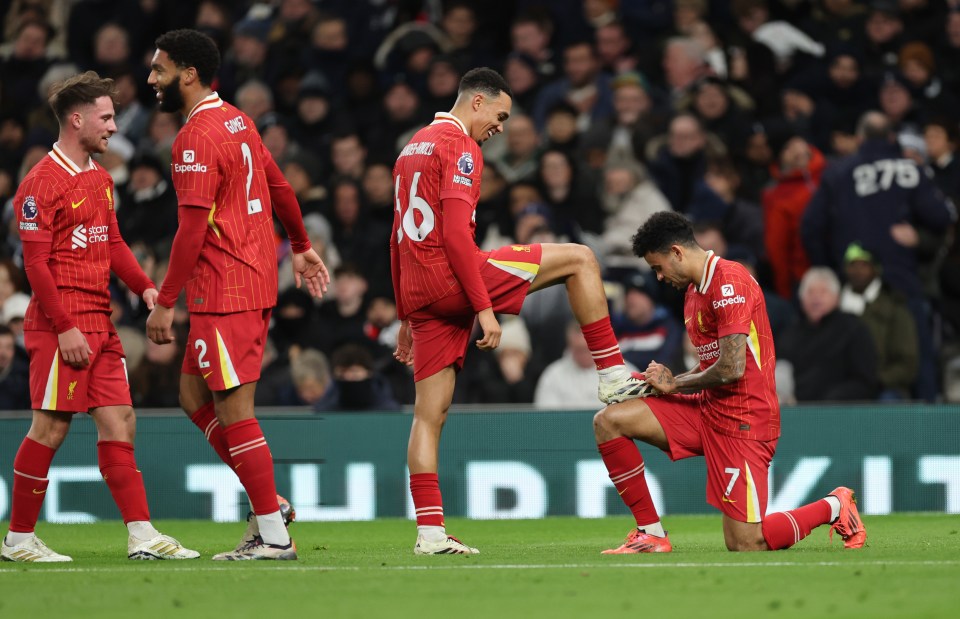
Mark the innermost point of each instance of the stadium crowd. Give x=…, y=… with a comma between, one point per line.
x=814, y=141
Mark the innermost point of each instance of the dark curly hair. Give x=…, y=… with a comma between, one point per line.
x=662, y=230
x=192, y=48
x=485, y=81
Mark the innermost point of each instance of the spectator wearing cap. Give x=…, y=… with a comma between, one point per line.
x=147, y=204
x=796, y=175
x=247, y=58
x=14, y=309
x=14, y=373
x=884, y=38
x=832, y=352
x=901, y=215
x=645, y=329
x=504, y=377
x=886, y=315
x=583, y=85
x=316, y=117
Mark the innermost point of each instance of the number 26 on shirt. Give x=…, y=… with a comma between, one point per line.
x=415, y=203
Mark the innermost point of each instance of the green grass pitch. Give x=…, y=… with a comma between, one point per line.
x=538, y=568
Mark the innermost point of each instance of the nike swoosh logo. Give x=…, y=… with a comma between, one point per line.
x=238, y=466
x=726, y=500
x=686, y=320
x=620, y=492
x=39, y=492
x=206, y=375
x=77, y=204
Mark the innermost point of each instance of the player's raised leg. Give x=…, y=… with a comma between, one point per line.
x=116, y=430
x=30, y=468
x=615, y=428
x=577, y=268
x=434, y=395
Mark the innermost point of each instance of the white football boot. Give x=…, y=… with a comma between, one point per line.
x=257, y=550
x=31, y=550
x=449, y=546
x=252, y=534
x=626, y=388
x=159, y=548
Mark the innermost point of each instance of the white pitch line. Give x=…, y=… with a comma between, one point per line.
x=567, y=566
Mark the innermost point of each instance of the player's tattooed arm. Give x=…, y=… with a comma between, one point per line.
x=728, y=368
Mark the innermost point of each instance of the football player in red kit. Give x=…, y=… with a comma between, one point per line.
x=443, y=282
x=726, y=410
x=71, y=243
x=228, y=188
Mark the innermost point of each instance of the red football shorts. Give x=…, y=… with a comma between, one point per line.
x=441, y=330
x=226, y=349
x=57, y=386
x=736, y=468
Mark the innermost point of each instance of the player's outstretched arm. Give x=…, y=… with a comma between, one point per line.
x=728, y=368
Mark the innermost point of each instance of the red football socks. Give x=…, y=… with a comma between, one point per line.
x=784, y=529
x=30, y=467
x=602, y=343
x=253, y=464
x=119, y=470
x=625, y=465
x=205, y=419
x=425, y=488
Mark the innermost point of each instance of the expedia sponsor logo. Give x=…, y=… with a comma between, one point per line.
x=709, y=351
x=83, y=236
x=463, y=180
x=731, y=301
x=189, y=167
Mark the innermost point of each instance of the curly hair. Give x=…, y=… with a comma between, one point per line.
x=192, y=48
x=485, y=81
x=83, y=89
x=662, y=230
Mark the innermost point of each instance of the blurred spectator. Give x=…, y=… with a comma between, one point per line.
x=162, y=129
x=520, y=71
x=832, y=353
x=156, y=382
x=885, y=313
x=680, y=162
x=23, y=63
x=147, y=204
x=645, y=329
x=359, y=239
x=505, y=376
x=614, y=48
x=14, y=310
x=571, y=381
x=295, y=322
x=377, y=186
x=14, y=373
x=356, y=385
x=784, y=39
x=111, y=49
x=348, y=154
x=718, y=201
x=343, y=315
x=723, y=110
x=247, y=58
x=781, y=312
x=942, y=135
x=329, y=49
x=569, y=194
x=255, y=99
x=684, y=63
x=302, y=171
x=583, y=86
x=796, y=176
x=466, y=48
x=887, y=203
x=561, y=130
x=523, y=145
x=315, y=119
x=636, y=119
x=443, y=80
x=12, y=280
x=884, y=37
x=531, y=34
x=401, y=115
x=629, y=197
x=310, y=374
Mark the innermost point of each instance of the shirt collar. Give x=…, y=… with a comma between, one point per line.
x=209, y=102
x=709, y=266
x=66, y=163
x=446, y=117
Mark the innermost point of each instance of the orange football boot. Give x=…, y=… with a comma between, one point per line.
x=848, y=524
x=639, y=542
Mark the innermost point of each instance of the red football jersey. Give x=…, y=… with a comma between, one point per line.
x=729, y=301
x=218, y=164
x=440, y=161
x=72, y=209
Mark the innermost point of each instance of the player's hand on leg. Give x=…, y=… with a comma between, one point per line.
x=660, y=378
x=75, y=348
x=404, y=352
x=491, y=330
x=160, y=325
x=309, y=268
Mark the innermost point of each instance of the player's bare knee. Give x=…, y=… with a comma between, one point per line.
x=605, y=427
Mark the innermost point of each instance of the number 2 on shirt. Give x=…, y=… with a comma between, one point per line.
x=253, y=206
x=407, y=224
